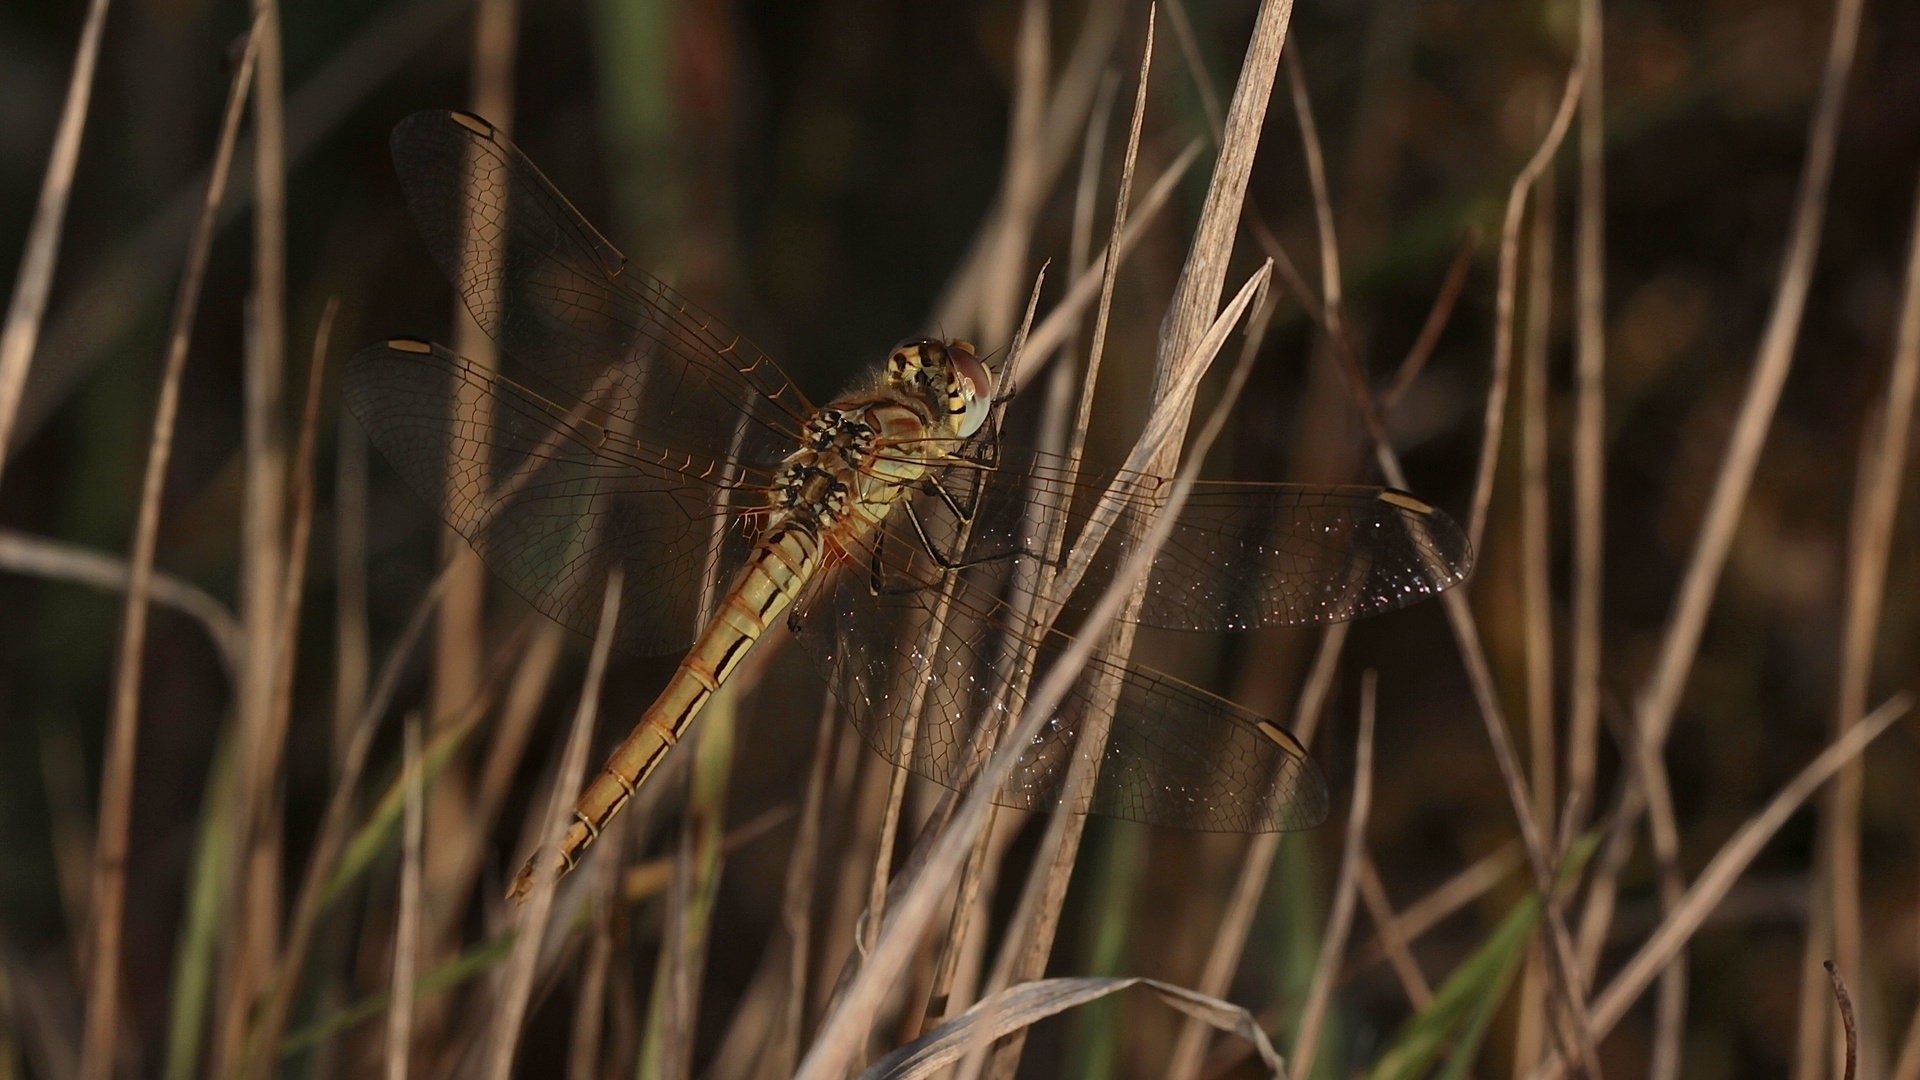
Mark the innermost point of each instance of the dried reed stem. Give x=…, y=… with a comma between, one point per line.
x=1720, y=874
x=1505, y=296
x=1901, y=387
x=261, y=1047
x=1661, y=696
x=796, y=905
x=1230, y=938
x=1024, y=953
x=352, y=655
x=1196, y=295
x=116, y=780
x=116, y=294
x=34, y=281
x=454, y=844
x=516, y=989
x=1437, y=317
x=1063, y=319
x=58, y=560
x=253, y=907
x=1536, y=585
x=1447, y=898
x=1413, y=982
x=1883, y=460
x=1333, y=945
x=846, y=1027
x=1848, y=1030
x=406, y=930
x=1590, y=423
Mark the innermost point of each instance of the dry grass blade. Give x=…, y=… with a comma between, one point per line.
x=1333, y=945
x=1023, y=955
x=1063, y=320
x=352, y=656
x=406, y=932
x=1332, y=296
x=1720, y=874
x=1449, y=897
x=1203, y=276
x=516, y=989
x=846, y=1026
x=1846, y=1020
x=1504, y=299
x=58, y=560
x=1019, y=1007
x=1876, y=504
x=1536, y=584
x=111, y=299
x=1900, y=395
x=253, y=902
x=1430, y=331
x=1661, y=696
x=116, y=781
x=34, y=282
x=796, y=906
x=1230, y=939
x=1413, y=982
x=1590, y=419
x=280, y=988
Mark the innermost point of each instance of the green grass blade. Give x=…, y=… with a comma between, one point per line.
x=200, y=929
x=448, y=975
x=382, y=826
x=1466, y=1001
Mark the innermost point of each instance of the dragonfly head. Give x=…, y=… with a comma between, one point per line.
x=948, y=376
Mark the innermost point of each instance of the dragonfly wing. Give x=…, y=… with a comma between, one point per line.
x=1240, y=555
x=551, y=495
x=561, y=300
x=924, y=682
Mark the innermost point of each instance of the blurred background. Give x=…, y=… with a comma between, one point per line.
x=816, y=171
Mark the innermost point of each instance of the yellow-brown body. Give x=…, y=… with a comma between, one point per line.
x=858, y=457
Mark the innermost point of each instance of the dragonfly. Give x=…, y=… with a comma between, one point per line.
x=625, y=430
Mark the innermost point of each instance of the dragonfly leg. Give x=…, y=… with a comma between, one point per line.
x=958, y=560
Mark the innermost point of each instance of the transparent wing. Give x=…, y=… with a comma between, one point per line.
x=1240, y=556
x=561, y=300
x=552, y=493
x=926, y=681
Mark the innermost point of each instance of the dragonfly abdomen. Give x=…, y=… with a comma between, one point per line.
x=782, y=562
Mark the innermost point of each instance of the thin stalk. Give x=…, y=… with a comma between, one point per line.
x=406, y=931
x=1333, y=944
x=683, y=949
x=1447, y=898
x=114, y=296
x=510, y=1007
x=796, y=906
x=1590, y=420
x=1413, y=982
x=1024, y=954
x=1437, y=317
x=1536, y=585
x=285, y=977
x=846, y=1027
x=58, y=560
x=1883, y=457
x=1727, y=865
x=352, y=656
x=254, y=906
x=116, y=780
x=1504, y=298
x=34, y=282
x=455, y=833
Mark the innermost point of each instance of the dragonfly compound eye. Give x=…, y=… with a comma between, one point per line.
x=975, y=387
